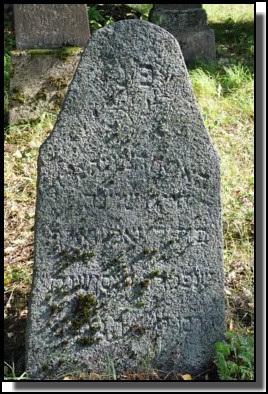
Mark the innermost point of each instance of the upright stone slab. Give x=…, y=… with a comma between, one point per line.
x=50, y=25
x=39, y=81
x=128, y=242
x=188, y=24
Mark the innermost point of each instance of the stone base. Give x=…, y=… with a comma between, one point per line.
x=39, y=82
x=189, y=27
x=197, y=44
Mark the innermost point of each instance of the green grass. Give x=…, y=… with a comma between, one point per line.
x=144, y=9
x=224, y=90
x=235, y=357
x=225, y=94
x=10, y=373
x=233, y=25
x=9, y=44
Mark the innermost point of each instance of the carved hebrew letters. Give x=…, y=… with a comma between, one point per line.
x=128, y=260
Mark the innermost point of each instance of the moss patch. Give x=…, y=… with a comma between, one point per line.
x=84, y=310
x=59, y=52
x=18, y=95
x=42, y=94
x=84, y=313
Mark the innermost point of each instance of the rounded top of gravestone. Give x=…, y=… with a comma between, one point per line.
x=128, y=26
x=145, y=36
x=176, y=7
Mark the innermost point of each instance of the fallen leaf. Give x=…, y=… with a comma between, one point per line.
x=9, y=250
x=186, y=376
x=18, y=154
x=34, y=144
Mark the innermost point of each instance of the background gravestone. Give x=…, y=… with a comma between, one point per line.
x=39, y=82
x=128, y=242
x=188, y=24
x=50, y=25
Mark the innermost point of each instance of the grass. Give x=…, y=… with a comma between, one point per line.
x=235, y=358
x=10, y=373
x=224, y=91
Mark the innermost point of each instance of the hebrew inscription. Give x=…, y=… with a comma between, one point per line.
x=128, y=255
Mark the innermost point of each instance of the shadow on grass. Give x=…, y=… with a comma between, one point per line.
x=234, y=41
x=14, y=330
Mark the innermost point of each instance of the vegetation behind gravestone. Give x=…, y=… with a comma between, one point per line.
x=101, y=15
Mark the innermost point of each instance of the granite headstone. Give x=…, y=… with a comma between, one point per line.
x=128, y=241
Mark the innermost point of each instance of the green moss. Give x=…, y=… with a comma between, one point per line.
x=62, y=265
x=58, y=82
x=87, y=255
x=118, y=257
x=60, y=291
x=87, y=341
x=148, y=251
x=154, y=273
x=58, y=98
x=84, y=309
x=140, y=304
x=144, y=284
x=94, y=329
x=74, y=255
x=54, y=308
x=18, y=95
x=42, y=94
x=64, y=253
x=45, y=367
x=62, y=52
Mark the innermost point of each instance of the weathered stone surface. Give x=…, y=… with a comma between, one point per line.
x=39, y=82
x=188, y=24
x=128, y=241
x=50, y=25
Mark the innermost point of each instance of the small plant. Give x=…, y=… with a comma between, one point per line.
x=11, y=374
x=235, y=358
x=96, y=20
x=143, y=10
x=145, y=365
x=111, y=369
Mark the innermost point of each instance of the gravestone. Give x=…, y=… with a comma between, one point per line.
x=188, y=24
x=128, y=243
x=50, y=25
x=39, y=81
